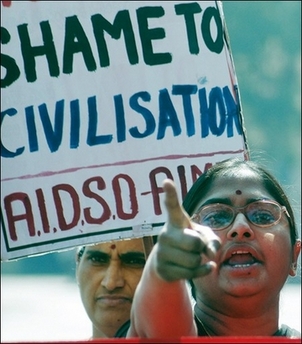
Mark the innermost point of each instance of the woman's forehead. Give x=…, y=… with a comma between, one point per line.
x=245, y=184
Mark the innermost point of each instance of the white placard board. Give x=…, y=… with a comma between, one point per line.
x=100, y=102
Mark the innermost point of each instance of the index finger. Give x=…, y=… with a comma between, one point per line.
x=177, y=216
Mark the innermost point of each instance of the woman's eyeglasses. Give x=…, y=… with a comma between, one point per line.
x=219, y=216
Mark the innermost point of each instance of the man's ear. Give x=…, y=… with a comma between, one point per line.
x=78, y=255
x=296, y=253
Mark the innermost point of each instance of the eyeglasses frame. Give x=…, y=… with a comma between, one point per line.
x=236, y=211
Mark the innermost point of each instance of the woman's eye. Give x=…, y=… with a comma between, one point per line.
x=263, y=217
x=215, y=219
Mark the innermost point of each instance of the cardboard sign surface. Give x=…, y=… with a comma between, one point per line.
x=101, y=101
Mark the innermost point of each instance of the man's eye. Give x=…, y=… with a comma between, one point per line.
x=135, y=262
x=97, y=259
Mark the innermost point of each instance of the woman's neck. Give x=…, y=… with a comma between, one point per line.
x=226, y=323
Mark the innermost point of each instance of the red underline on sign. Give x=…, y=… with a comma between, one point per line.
x=120, y=163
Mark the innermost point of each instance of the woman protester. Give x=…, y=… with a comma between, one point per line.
x=236, y=241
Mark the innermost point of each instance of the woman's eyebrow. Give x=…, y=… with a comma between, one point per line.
x=228, y=201
x=224, y=200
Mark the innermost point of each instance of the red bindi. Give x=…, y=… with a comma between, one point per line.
x=112, y=246
x=238, y=192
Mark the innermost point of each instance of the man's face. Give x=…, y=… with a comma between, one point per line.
x=108, y=274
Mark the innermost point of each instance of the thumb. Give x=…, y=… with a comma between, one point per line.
x=211, y=241
x=177, y=217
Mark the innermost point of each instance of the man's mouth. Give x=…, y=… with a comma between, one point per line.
x=115, y=300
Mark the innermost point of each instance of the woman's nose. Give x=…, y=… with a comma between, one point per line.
x=240, y=228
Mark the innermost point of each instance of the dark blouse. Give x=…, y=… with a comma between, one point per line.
x=284, y=331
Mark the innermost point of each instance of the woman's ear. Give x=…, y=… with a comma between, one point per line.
x=296, y=253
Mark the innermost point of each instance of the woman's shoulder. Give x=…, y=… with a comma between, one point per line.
x=284, y=330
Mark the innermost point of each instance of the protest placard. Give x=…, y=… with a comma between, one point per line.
x=101, y=101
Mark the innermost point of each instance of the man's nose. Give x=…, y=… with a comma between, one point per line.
x=240, y=228
x=113, y=277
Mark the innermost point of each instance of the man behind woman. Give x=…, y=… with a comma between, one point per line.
x=107, y=276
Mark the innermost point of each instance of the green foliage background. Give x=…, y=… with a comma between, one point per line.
x=265, y=39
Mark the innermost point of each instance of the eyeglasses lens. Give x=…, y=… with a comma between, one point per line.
x=220, y=216
x=263, y=214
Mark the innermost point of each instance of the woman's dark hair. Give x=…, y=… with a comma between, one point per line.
x=231, y=167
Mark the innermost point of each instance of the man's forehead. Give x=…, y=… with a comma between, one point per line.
x=122, y=246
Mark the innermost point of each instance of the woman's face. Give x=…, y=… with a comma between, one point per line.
x=252, y=260
x=108, y=274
